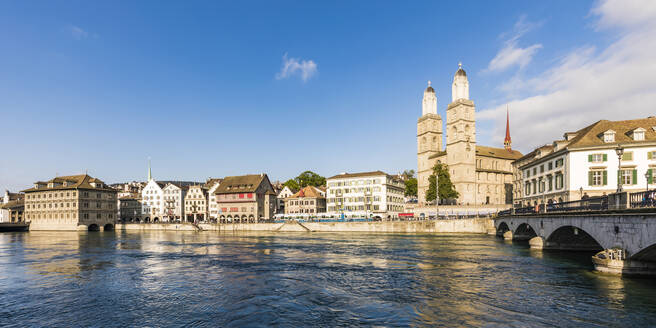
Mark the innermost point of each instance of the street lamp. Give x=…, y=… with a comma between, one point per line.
x=647, y=179
x=619, y=151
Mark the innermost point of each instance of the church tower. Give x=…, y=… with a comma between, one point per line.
x=507, y=142
x=461, y=139
x=429, y=140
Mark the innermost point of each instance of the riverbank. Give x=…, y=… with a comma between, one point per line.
x=430, y=226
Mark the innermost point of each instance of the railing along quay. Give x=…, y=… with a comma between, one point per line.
x=636, y=200
x=643, y=199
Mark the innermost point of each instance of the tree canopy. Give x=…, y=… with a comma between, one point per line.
x=307, y=178
x=440, y=182
x=411, y=187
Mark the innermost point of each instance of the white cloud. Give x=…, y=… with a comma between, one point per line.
x=77, y=32
x=292, y=66
x=511, y=54
x=587, y=85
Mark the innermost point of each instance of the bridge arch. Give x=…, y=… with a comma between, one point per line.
x=503, y=227
x=93, y=227
x=647, y=254
x=108, y=227
x=572, y=238
x=524, y=231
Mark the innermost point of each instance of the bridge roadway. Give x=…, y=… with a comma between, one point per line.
x=625, y=240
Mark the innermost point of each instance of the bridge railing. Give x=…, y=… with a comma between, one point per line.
x=589, y=204
x=642, y=199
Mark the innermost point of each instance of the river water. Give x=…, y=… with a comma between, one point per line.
x=209, y=279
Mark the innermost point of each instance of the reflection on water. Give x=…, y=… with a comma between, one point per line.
x=252, y=279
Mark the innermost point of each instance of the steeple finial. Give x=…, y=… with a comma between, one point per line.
x=150, y=175
x=459, y=65
x=429, y=83
x=507, y=142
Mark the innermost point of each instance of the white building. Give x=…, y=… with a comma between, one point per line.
x=366, y=194
x=174, y=196
x=585, y=162
x=195, y=203
x=284, y=193
x=152, y=198
x=211, y=185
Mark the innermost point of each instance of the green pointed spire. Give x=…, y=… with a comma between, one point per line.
x=150, y=175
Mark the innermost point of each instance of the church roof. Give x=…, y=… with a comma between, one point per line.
x=497, y=152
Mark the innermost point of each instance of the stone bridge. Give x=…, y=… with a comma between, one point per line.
x=626, y=242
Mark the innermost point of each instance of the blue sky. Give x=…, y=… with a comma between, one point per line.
x=201, y=87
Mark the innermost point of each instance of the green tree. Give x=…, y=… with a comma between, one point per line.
x=307, y=178
x=292, y=184
x=411, y=187
x=407, y=174
x=440, y=182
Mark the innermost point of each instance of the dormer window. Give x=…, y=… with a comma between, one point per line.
x=51, y=185
x=609, y=136
x=639, y=134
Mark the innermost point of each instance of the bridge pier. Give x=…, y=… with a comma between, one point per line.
x=536, y=243
x=613, y=261
x=631, y=234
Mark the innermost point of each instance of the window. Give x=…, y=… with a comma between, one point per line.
x=559, y=162
x=639, y=134
x=535, y=170
x=597, y=158
x=628, y=176
x=597, y=178
x=609, y=136
x=542, y=168
x=550, y=166
x=559, y=181
x=550, y=180
x=627, y=156
x=651, y=155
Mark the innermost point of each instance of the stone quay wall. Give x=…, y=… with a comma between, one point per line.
x=432, y=226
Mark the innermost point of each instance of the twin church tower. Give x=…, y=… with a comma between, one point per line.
x=481, y=175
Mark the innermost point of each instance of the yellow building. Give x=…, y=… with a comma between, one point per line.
x=76, y=202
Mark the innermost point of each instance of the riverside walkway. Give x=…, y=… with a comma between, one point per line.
x=621, y=227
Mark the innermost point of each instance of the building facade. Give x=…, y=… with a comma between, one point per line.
x=308, y=200
x=480, y=174
x=130, y=208
x=195, y=204
x=246, y=198
x=12, y=206
x=174, y=196
x=152, y=201
x=211, y=185
x=77, y=202
x=585, y=163
x=367, y=194
x=282, y=195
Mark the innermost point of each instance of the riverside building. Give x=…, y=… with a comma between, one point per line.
x=586, y=162
x=309, y=200
x=480, y=174
x=196, y=203
x=245, y=198
x=367, y=194
x=76, y=202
